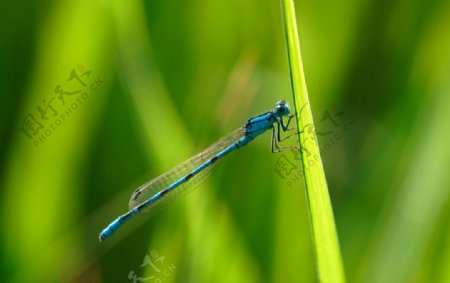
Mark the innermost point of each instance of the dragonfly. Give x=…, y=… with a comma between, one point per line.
x=186, y=176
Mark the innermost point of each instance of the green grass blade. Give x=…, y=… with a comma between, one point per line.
x=329, y=262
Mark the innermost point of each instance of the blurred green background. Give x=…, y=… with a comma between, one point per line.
x=98, y=97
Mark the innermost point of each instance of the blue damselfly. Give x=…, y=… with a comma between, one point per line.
x=187, y=175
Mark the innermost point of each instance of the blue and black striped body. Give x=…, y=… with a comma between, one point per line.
x=252, y=128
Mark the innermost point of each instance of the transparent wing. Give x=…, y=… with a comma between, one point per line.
x=158, y=184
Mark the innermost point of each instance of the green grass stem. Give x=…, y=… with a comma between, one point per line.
x=326, y=244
